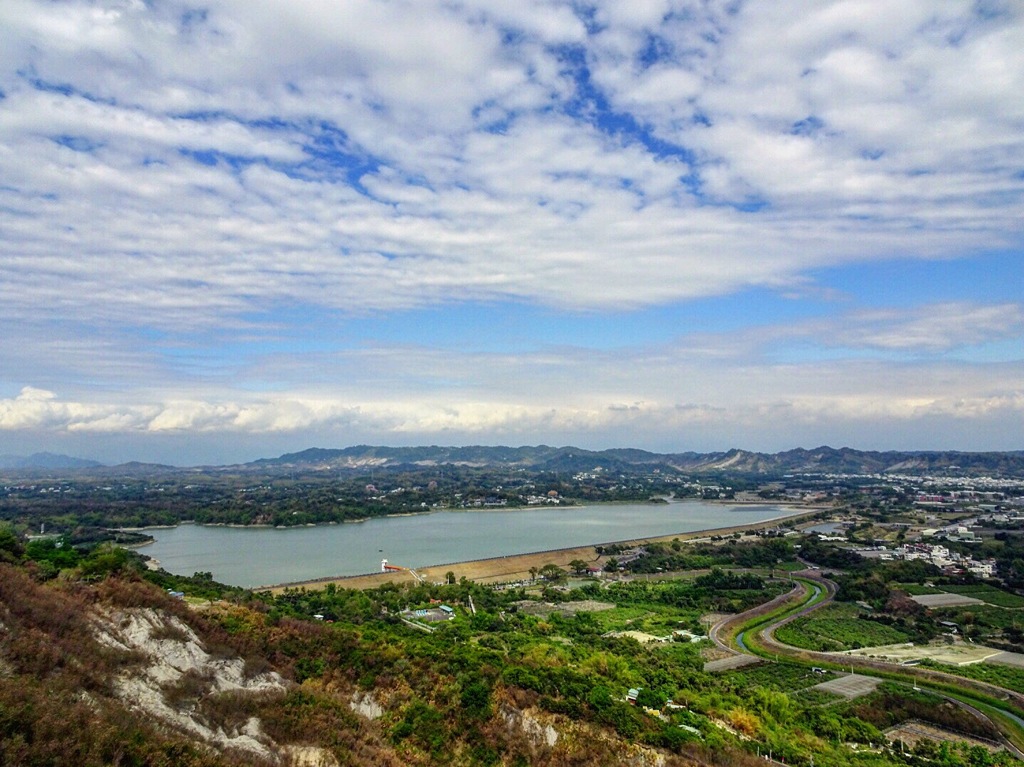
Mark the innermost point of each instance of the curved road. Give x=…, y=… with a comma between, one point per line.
x=766, y=637
x=715, y=634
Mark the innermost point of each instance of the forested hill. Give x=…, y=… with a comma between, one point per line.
x=546, y=458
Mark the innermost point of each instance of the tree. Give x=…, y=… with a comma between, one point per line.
x=648, y=698
x=10, y=546
x=533, y=573
x=551, y=572
x=105, y=560
x=476, y=699
x=578, y=566
x=600, y=698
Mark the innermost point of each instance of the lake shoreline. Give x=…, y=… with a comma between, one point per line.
x=471, y=510
x=516, y=567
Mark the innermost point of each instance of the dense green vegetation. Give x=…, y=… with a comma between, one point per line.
x=566, y=666
x=1011, y=677
x=837, y=628
x=736, y=551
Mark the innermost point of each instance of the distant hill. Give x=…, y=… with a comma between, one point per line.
x=537, y=458
x=823, y=459
x=46, y=461
x=138, y=469
x=849, y=461
x=542, y=458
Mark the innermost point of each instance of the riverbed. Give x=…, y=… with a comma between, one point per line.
x=253, y=557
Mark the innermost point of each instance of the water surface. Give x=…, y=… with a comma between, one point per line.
x=253, y=557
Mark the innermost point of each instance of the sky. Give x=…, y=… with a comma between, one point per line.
x=235, y=228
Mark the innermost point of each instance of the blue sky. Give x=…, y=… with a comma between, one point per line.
x=230, y=229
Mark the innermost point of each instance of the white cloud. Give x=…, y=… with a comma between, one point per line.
x=773, y=422
x=181, y=176
x=936, y=327
x=720, y=385
x=40, y=409
x=547, y=209
x=913, y=104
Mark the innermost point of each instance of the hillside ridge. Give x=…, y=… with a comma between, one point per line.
x=822, y=459
x=546, y=458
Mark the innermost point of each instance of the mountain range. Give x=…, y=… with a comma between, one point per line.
x=818, y=460
x=545, y=458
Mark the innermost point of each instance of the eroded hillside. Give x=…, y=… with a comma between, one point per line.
x=118, y=672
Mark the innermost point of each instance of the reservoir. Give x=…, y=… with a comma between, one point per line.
x=259, y=556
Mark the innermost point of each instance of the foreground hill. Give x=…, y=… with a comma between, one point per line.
x=101, y=667
x=102, y=664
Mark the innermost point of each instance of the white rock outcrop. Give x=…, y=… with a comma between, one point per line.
x=172, y=651
x=366, y=705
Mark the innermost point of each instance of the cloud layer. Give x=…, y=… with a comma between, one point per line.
x=187, y=188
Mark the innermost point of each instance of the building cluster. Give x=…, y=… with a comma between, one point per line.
x=961, y=529
x=631, y=555
x=491, y=501
x=431, y=614
x=1002, y=518
x=967, y=486
x=950, y=562
x=537, y=500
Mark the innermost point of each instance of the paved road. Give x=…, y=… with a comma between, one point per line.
x=766, y=637
x=721, y=628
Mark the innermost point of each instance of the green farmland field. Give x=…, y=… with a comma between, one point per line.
x=836, y=628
